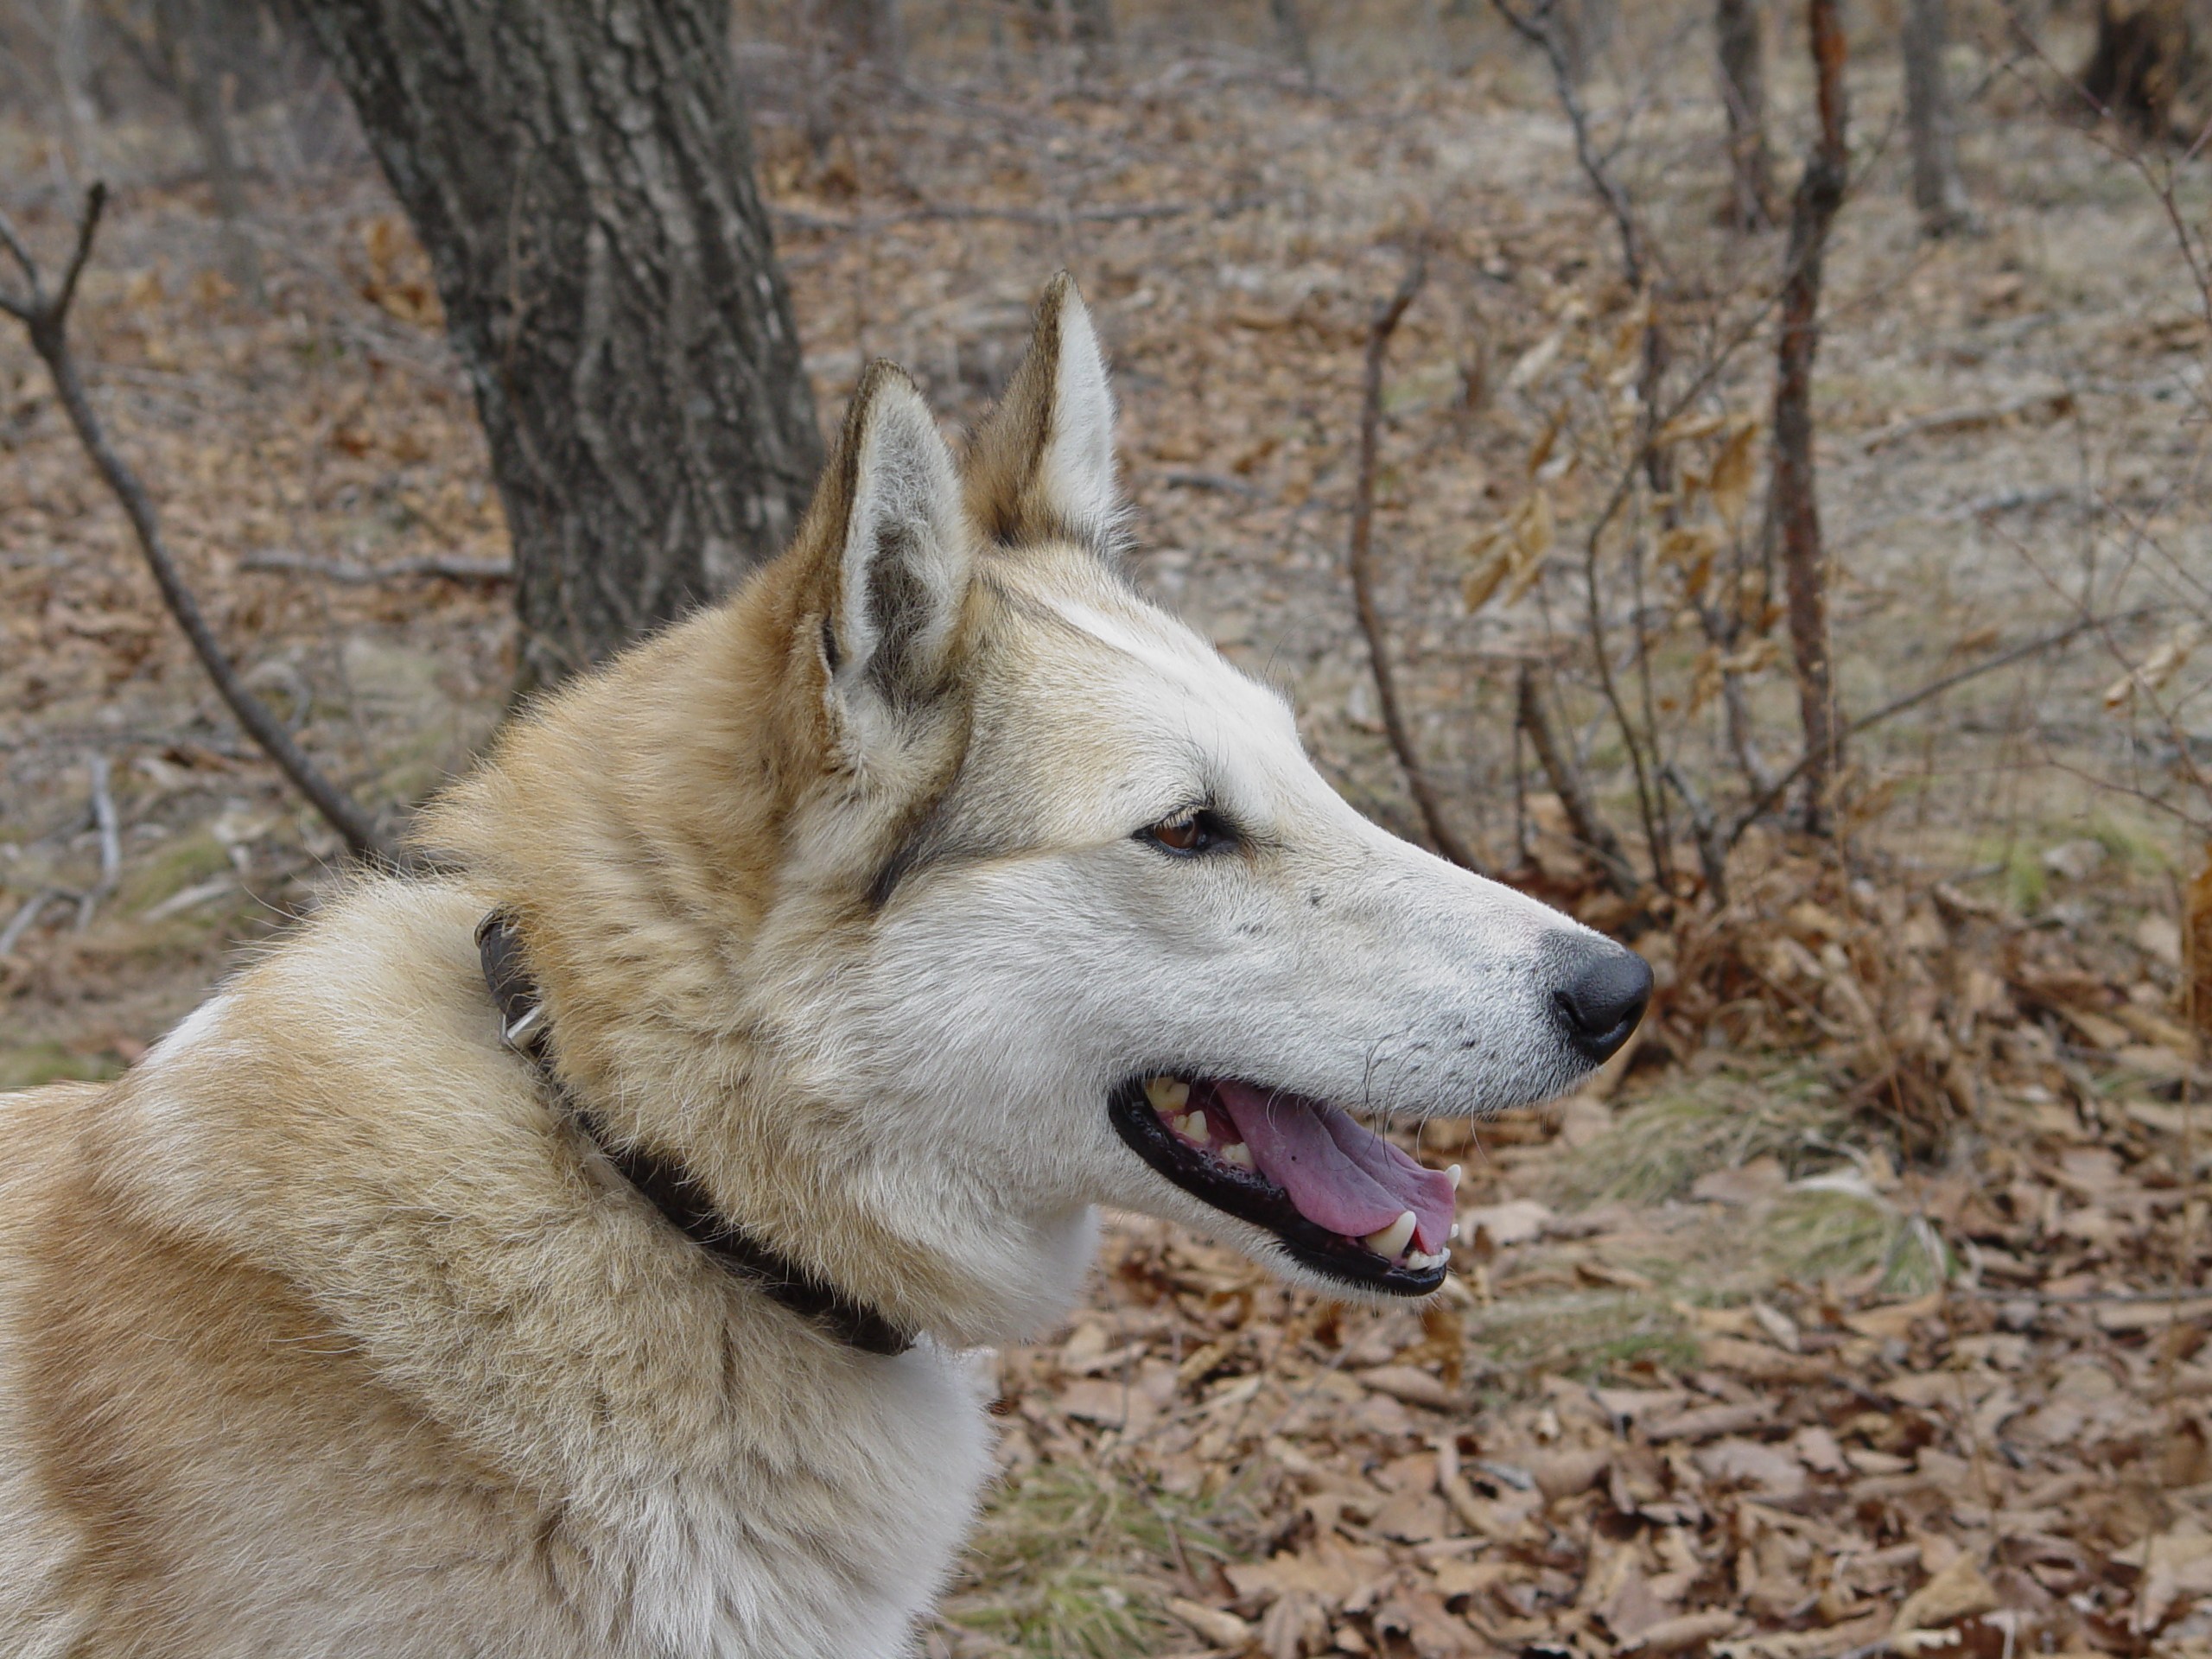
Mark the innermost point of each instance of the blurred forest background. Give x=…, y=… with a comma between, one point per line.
x=1465, y=357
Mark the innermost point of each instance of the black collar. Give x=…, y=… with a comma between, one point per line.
x=665, y=1183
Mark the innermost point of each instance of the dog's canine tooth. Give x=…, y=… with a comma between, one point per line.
x=1393, y=1238
x=1456, y=1174
x=1167, y=1094
x=1238, y=1153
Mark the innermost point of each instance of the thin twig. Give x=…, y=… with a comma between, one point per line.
x=103, y=818
x=1774, y=791
x=1539, y=27
x=46, y=318
x=1536, y=26
x=1712, y=852
x=1558, y=761
x=1387, y=318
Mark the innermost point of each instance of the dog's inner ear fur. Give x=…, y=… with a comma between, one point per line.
x=1042, y=465
x=904, y=558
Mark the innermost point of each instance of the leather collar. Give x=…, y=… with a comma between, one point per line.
x=664, y=1182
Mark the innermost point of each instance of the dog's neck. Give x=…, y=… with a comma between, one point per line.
x=664, y=1182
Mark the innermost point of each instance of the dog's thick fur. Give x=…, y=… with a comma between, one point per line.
x=322, y=1332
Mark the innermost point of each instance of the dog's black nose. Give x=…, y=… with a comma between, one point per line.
x=1603, y=997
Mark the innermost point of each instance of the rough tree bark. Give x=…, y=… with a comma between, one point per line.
x=1795, y=504
x=581, y=175
x=1937, y=190
x=1740, y=27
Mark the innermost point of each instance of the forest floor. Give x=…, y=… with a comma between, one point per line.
x=1743, y=1354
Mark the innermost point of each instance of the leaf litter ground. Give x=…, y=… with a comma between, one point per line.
x=1864, y=1314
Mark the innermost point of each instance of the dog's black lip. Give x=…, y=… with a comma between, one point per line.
x=1254, y=1198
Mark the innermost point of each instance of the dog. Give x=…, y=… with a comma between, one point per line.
x=572, y=1250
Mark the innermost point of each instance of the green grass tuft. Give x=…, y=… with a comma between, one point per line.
x=1660, y=1146
x=1816, y=1233
x=1591, y=1335
x=33, y=1063
x=1059, y=1566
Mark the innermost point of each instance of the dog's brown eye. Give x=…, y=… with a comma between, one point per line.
x=1185, y=834
x=1180, y=835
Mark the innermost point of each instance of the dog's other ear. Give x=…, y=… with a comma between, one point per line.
x=900, y=550
x=1042, y=465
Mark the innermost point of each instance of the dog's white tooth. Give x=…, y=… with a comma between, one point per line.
x=1457, y=1175
x=1393, y=1238
x=1194, y=1125
x=1238, y=1153
x=1167, y=1094
x=1452, y=1237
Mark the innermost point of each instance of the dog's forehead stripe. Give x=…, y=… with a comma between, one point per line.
x=1170, y=650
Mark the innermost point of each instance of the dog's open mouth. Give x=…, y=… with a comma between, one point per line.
x=1342, y=1199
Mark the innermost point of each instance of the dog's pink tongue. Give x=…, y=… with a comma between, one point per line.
x=1341, y=1177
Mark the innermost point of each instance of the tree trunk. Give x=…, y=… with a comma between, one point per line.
x=2149, y=70
x=1741, y=26
x=1090, y=27
x=866, y=31
x=72, y=72
x=183, y=34
x=1937, y=190
x=581, y=176
x=1795, y=504
x=1290, y=32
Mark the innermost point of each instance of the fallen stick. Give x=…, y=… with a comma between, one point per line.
x=45, y=317
x=104, y=819
x=1135, y=213
x=26, y=916
x=1943, y=422
x=347, y=572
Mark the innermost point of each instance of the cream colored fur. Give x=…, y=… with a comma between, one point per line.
x=321, y=1333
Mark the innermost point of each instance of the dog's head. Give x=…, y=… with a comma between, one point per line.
x=1102, y=933
x=938, y=887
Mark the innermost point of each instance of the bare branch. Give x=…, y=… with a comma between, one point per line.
x=104, y=819
x=13, y=240
x=1712, y=850
x=1558, y=762
x=46, y=323
x=1774, y=791
x=1536, y=26
x=1794, y=498
x=87, y=226
x=1362, y=560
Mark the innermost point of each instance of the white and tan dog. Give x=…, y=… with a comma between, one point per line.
x=854, y=939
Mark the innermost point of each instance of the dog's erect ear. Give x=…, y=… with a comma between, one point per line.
x=901, y=555
x=1042, y=465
